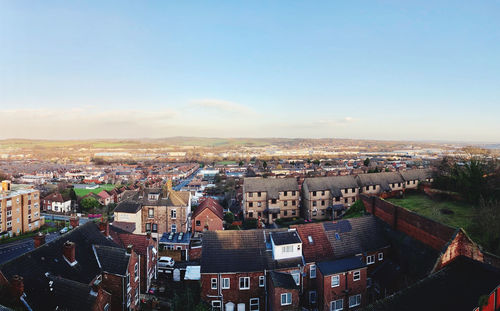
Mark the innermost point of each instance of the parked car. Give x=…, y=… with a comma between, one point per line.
x=64, y=230
x=165, y=262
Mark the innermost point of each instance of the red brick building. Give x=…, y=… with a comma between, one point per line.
x=209, y=215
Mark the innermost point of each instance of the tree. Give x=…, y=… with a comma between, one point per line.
x=229, y=218
x=264, y=164
x=89, y=203
x=316, y=162
x=241, y=163
x=366, y=162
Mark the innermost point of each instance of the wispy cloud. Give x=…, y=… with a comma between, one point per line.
x=221, y=105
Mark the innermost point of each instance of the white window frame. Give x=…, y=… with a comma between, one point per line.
x=370, y=259
x=136, y=271
x=287, y=300
x=213, y=283
x=287, y=249
x=216, y=305
x=225, y=285
x=380, y=256
x=246, y=281
x=311, y=274
x=254, y=304
x=262, y=281
x=173, y=214
x=357, y=298
x=358, y=273
x=173, y=228
x=333, y=305
x=337, y=283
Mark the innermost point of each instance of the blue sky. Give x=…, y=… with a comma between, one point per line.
x=409, y=70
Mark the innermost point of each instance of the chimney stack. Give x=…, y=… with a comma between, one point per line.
x=69, y=252
x=104, y=228
x=6, y=185
x=74, y=221
x=129, y=249
x=17, y=286
x=39, y=239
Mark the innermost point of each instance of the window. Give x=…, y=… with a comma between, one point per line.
x=294, y=212
x=155, y=227
x=314, y=203
x=380, y=256
x=354, y=300
x=323, y=203
x=286, y=299
x=287, y=249
x=148, y=227
x=261, y=281
x=213, y=282
x=293, y=193
x=216, y=305
x=9, y=223
x=322, y=192
x=250, y=215
x=136, y=271
x=244, y=283
x=173, y=214
x=285, y=203
x=174, y=228
x=273, y=201
x=296, y=277
x=250, y=194
x=136, y=297
x=128, y=300
x=151, y=213
x=226, y=283
x=312, y=297
x=250, y=204
x=335, y=280
x=9, y=213
x=337, y=305
x=285, y=193
x=314, y=213
x=259, y=204
x=312, y=272
x=198, y=223
x=314, y=193
x=106, y=307
x=254, y=304
x=128, y=282
x=353, y=190
x=258, y=194
x=370, y=259
x=293, y=203
x=356, y=275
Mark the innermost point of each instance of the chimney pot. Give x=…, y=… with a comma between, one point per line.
x=17, y=286
x=39, y=239
x=69, y=252
x=104, y=228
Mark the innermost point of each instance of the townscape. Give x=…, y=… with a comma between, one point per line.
x=283, y=234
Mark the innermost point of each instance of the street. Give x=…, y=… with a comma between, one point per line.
x=17, y=248
x=186, y=181
x=62, y=217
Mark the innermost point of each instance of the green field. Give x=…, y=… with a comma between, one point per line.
x=84, y=192
x=423, y=205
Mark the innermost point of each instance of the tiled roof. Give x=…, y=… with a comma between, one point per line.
x=334, y=184
x=383, y=179
x=457, y=286
x=341, y=265
x=128, y=207
x=139, y=241
x=112, y=259
x=353, y=236
x=315, y=244
x=34, y=265
x=283, y=280
x=211, y=204
x=417, y=174
x=55, y=197
x=273, y=186
x=283, y=238
x=240, y=251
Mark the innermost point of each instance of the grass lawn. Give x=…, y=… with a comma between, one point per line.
x=83, y=192
x=423, y=205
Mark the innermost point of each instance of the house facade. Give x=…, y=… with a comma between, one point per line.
x=55, y=202
x=270, y=198
x=209, y=215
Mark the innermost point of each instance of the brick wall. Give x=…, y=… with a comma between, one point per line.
x=460, y=245
x=327, y=293
x=275, y=299
x=423, y=229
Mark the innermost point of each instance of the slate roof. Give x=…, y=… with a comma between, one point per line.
x=34, y=265
x=457, y=286
x=382, y=179
x=350, y=237
x=128, y=206
x=55, y=197
x=211, y=204
x=124, y=226
x=112, y=259
x=283, y=280
x=273, y=186
x=333, y=183
x=283, y=238
x=417, y=174
x=172, y=198
x=70, y=295
x=341, y=265
x=240, y=251
x=175, y=238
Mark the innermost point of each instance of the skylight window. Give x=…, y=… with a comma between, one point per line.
x=310, y=239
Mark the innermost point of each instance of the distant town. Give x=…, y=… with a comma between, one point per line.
x=248, y=225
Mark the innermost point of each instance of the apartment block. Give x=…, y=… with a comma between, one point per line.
x=19, y=209
x=271, y=198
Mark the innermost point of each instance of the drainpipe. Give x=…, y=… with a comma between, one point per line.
x=265, y=288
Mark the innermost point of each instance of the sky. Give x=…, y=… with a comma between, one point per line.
x=399, y=70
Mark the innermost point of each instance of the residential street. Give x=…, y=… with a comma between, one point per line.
x=17, y=248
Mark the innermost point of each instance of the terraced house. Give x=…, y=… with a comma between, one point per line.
x=328, y=197
x=270, y=198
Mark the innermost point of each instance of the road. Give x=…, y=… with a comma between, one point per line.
x=17, y=248
x=186, y=181
x=62, y=217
